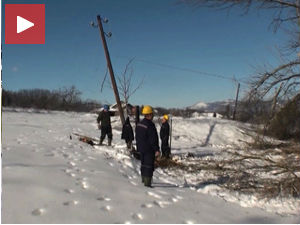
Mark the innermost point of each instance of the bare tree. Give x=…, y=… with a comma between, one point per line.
x=282, y=81
x=125, y=85
x=284, y=78
x=69, y=96
x=285, y=10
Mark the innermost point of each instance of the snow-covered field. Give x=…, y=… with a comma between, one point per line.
x=48, y=176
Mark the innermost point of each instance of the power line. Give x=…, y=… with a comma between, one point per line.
x=186, y=69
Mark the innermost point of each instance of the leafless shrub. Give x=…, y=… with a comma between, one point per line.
x=66, y=99
x=270, y=173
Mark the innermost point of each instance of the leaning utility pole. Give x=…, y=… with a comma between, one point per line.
x=111, y=72
x=171, y=131
x=236, y=101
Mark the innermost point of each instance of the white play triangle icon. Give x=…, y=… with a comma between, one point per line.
x=23, y=24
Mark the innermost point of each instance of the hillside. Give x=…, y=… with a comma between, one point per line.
x=218, y=106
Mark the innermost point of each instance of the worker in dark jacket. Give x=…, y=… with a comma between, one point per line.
x=104, y=124
x=147, y=145
x=127, y=133
x=164, y=136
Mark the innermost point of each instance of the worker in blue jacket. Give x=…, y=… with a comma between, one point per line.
x=147, y=145
x=127, y=134
x=164, y=136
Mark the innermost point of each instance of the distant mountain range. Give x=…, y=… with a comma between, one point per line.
x=217, y=106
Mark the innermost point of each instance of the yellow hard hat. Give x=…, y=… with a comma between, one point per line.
x=147, y=109
x=166, y=117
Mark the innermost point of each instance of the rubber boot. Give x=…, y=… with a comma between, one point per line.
x=147, y=181
x=109, y=142
x=101, y=141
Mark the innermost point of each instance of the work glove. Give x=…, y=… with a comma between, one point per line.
x=99, y=126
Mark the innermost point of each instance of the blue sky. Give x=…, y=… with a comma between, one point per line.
x=155, y=33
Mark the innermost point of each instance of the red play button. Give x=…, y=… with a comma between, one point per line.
x=24, y=23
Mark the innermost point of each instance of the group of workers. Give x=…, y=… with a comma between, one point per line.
x=147, y=141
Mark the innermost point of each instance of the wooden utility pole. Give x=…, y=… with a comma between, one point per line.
x=171, y=130
x=111, y=72
x=236, y=101
x=298, y=14
x=137, y=114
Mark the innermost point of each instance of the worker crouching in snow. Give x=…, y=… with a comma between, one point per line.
x=164, y=136
x=104, y=124
x=147, y=145
x=127, y=134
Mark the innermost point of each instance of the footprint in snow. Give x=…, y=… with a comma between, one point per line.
x=66, y=156
x=71, y=174
x=72, y=163
x=162, y=204
x=51, y=154
x=67, y=170
x=125, y=175
x=20, y=141
x=83, y=184
x=137, y=216
x=106, y=208
x=133, y=183
x=147, y=205
x=79, y=170
x=95, y=171
x=38, y=212
x=83, y=160
x=103, y=198
x=81, y=179
x=173, y=199
x=178, y=197
x=163, y=192
x=70, y=203
x=153, y=195
x=130, y=177
x=69, y=191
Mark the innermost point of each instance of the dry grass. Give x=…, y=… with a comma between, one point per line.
x=169, y=163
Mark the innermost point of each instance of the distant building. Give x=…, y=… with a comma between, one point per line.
x=131, y=108
x=114, y=108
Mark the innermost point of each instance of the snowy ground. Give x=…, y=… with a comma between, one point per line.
x=49, y=178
